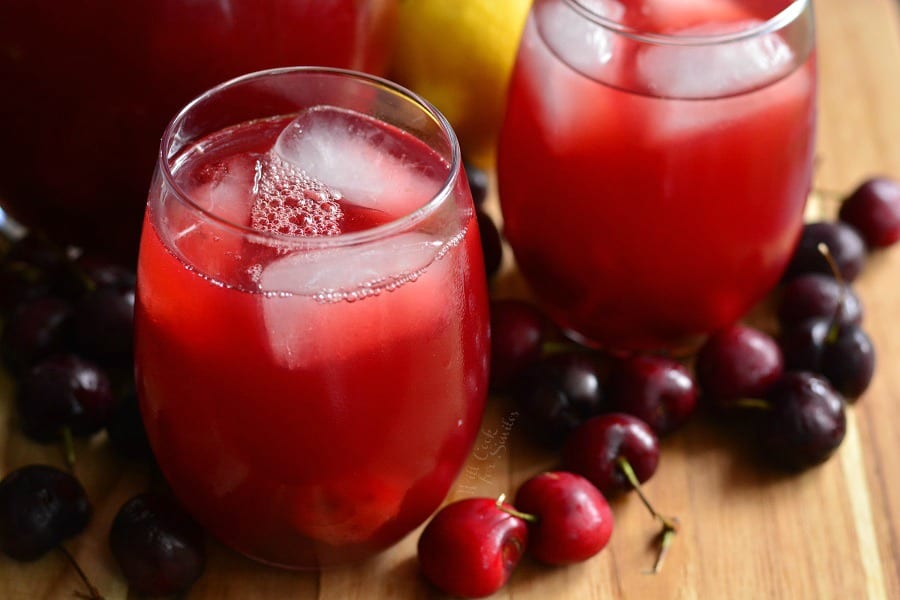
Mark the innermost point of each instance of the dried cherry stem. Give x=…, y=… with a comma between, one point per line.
x=93, y=593
x=68, y=447
x=527, y=517
x=835, y=328
x=754, y=403
x=669, y=525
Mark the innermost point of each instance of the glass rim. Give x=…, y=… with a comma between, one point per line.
x=783, y=18
x=396, y=225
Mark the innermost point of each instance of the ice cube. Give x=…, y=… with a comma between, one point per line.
x=727, y=71
x=572, y=103
x=713, y=71
x=223, y=188
x=349, y=152
x=322, y=306
x=583, y=44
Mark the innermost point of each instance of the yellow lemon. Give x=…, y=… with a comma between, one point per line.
x=458, y=54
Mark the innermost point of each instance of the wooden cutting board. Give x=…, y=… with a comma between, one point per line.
x=833, y=532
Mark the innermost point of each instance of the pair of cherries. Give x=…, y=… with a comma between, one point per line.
x=472, y=546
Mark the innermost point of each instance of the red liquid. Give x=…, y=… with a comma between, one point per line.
x=299, y=432
x=88, y=87
x=641, y=222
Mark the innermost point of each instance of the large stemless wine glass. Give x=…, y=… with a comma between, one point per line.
x=311, y=314
x=88, y=88
x=655, y=161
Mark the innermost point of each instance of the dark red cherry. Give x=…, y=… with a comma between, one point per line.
x=479, y=183
x=40, y=506
x=736, y=363
x=559, y=393
x=35, y=331
x=873, y=209
x=806, y=423
x=518, y=332
x=844, y=243
x=817, y=295
x=491, y=244
x=159, y=548
x=659, y=391
x=64, y=391
x=594, y=451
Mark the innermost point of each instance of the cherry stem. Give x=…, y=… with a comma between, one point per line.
x=528, y=517
x=555, y=347
x=835, y=327
x=68, y=446
x=753, y=403
x=669, y=527
x=93, y=593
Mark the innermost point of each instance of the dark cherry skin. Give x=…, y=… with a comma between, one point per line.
x=479, y=183
x=518, y=332
x=491, y=244
x=849, y=362
x=817, y=295
x=103, y=325
x=125, y=428
x=40, y=506
x=843, y=353
x=35, y=331
x=736, y=363
x=659, y=391
x=873, y=209
x=806, y=423
x=159, y=548
x=557, y=394
x=64, y=391
x=844, y=243
x=574, y=521
x=470, y=547
x=20, y=283
x=594, y=449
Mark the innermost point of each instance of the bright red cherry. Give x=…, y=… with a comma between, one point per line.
x=471, y=547
x=574, y=521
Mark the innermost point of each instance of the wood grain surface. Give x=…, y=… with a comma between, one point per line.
x=746, y=532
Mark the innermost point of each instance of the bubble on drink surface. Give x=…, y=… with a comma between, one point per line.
x=715, y=70
x=371, y=166
x=287, y=201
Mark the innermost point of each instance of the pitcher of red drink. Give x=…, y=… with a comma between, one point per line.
x=88, y=87
x=655, y=160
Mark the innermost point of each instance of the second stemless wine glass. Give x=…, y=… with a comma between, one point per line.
x=655, y=161
x=311, y=315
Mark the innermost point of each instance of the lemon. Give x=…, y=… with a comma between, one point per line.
x=459, y=54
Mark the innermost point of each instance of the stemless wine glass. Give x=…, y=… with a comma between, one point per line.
x=311, y=314
x=88, y=87
x=655, y=161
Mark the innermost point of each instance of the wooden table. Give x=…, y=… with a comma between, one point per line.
x=747, y=532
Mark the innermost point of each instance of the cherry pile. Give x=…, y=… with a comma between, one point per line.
x=605, y=414
x=67, y=324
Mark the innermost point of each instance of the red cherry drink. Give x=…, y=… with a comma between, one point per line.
x=313, y=378
x=88, y=88
x=655, y=160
